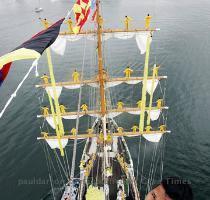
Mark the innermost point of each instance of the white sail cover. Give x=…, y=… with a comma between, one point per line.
x=133, y=82
x=112, y=84
x=107, y=36
x=136, y=112
x=58, y=90
x=51, y=121
x=73, y=38
x=153, y=137
x=94, y=115
x=149, y=85
x=53, y=143
x=154, y=114
x=72, y=87
x=96, y=85
x=71, y=116
x=113, y=114
x=59, y=46
x=141, y=40
x=123, y=35
x=91, y=37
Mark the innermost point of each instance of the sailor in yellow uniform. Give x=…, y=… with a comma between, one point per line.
x=101, y=21
x=109, y=138
x=128, y=71
x=120, y=105
x=45, y=134
x=84, y=107
x=90, y=131
x=148, y=128
x=127, y=22
x=45, y=22
x=82, y=164
x=74, y=131
x=139, y=103
x=134, y=128
x=69, y=23
x=159, y=103
x=45, y=111
x=45, y=79
x=148, y=21
x=162, y=127
x=62, y=109
x=101, y=138
x=155, y=70
x=75, y=76
x=120, y=130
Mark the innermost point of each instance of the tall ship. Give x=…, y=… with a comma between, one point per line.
x=106, y=169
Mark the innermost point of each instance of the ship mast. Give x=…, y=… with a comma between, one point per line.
x=100, y=61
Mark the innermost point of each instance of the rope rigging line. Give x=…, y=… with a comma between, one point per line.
x=77, y=121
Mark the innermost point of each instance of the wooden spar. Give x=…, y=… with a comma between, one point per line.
x=142, y=114
x=100, y=61
x=110, y=31
x=86, y=82
x=97, y=112
x=86, y=135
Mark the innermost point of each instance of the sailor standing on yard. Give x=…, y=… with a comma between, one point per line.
x=45, y=111
x=45, y=79
x=69, y=23
x=148, y=21
x=128, y=71
x=62, y=109
x=127, y=22
x=45, y=22
x=156, y=69
x=75, y=76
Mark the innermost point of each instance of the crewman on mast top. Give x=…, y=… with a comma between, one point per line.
x=69, y=23
x=148, y=21
x=45, y=79
x=84, y=107
x=62, y=109
x=128, y=72
x=120, y=105
x=155, y=70
x=134, y=128
x=127, y=22
x=75, y=76
x=45, y=22
x=159, y=103
x=109, y=138
x=45, y=111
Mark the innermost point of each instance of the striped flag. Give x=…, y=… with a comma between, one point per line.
x=31, y=49
x=81, y=11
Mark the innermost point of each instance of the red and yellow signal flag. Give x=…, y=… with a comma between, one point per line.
x=31, y=49
x=81, y=11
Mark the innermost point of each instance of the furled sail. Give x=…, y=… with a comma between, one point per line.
x=153, y=137
x=112, y=84
x=53, y=143
x=58, y=90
